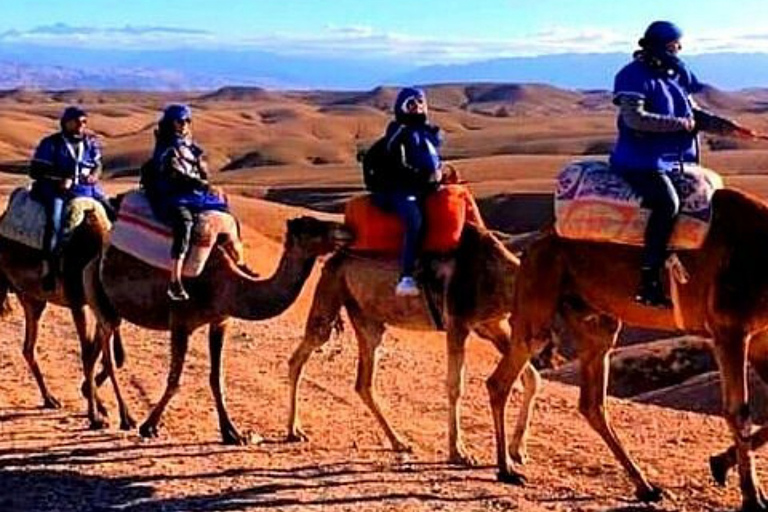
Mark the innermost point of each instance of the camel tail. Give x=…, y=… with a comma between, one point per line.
x=5, y=298
x=118, y=349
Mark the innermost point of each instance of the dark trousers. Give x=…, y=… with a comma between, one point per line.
x=182, y=221
x=409, y=207
x=659, y=195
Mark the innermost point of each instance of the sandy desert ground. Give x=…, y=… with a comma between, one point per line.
x=276, y=154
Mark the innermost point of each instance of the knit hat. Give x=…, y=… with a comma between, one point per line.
x=71, y=113
x=659, y=34
x=176, y=112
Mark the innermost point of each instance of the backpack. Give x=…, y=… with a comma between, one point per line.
x=148, y=174
x=378, y=166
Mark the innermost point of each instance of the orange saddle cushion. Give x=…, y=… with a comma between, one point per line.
x=446, y=212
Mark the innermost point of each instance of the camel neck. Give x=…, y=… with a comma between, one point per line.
x=259, y=299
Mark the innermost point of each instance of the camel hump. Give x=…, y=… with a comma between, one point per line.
x=446, y=210
x=141, y=234
x=593, y=202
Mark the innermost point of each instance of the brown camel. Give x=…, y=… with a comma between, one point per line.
x=726, y=297
x=21, y=272
x=479, y=296
x=118, y=286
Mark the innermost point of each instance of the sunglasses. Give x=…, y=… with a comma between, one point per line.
x=413, y=103
x=185, y=121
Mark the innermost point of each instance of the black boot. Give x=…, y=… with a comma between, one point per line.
x=651, y=290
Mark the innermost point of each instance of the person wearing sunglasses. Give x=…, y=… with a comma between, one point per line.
x=179, y=189
x=65, y=165
x=658, y=123
x=413, y=143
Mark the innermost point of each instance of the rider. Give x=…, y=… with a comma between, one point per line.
x=414, y=142
x=66, y=164
x=179, y=191
x=658, y=123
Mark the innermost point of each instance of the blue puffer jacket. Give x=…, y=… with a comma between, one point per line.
x=663, y=94
x=181, y=180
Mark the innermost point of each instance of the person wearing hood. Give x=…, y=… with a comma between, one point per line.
x=413, y=144
x=179, y=190
x=658, y=123
x=65, y=165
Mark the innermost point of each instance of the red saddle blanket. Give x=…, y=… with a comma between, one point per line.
x=446, y=212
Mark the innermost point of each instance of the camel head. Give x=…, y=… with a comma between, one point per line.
x=316, y=236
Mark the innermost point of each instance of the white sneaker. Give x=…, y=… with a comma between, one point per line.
x=407, y=287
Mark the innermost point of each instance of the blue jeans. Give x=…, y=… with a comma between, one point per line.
x=658, y=194
x=52, y=197
x=409, y=208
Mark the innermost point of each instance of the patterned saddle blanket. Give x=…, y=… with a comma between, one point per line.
x=594, y=203
x=139, y=233
x=24, y=219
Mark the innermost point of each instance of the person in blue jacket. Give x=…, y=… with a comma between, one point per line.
x=658, y=123
x=413, y=143
x=178, y=190
x=65, y=165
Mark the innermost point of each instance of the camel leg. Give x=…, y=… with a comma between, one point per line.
x=229, y=434
x=89, y=350
x=369, y=334
x=499, y=386
x=498, y=333
x=720, y=464
x=457, y=338
x=104, y=339
x=531, y=385
x=179, y=345
x=323, y=314
x=33, y=310
x=594, y=381
x=731, y=353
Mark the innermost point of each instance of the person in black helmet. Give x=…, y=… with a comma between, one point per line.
x=658, y=123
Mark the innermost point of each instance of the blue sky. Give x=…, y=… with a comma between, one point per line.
x=428, y=31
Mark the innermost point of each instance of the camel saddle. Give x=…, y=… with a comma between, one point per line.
x=142, y=235
x=593, y=202
x=24, y=219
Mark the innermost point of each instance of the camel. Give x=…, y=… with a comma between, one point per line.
x=119, y=286
x=21, y=272
x=726, y=297
x=479, y=297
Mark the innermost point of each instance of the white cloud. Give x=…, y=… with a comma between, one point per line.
x=364, y=42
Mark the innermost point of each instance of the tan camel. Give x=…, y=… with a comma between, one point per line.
x=118, y=286
x=478, y=298
x=20, y=273
x=726, y=298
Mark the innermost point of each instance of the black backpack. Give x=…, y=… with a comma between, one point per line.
x=379, y=166
x=148, y=174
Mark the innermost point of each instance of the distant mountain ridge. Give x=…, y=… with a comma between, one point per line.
x=34, y=66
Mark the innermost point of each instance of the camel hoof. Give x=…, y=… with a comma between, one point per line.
x=297, y=436
x=511, y=477
x=462, y=459
x=401, y=447
x=98, y=424
x=231, y=437
x=127, y=423
x=147, y=431
x=518, y=457
x=50, y=402
x=653, y=494
x=718, y=469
